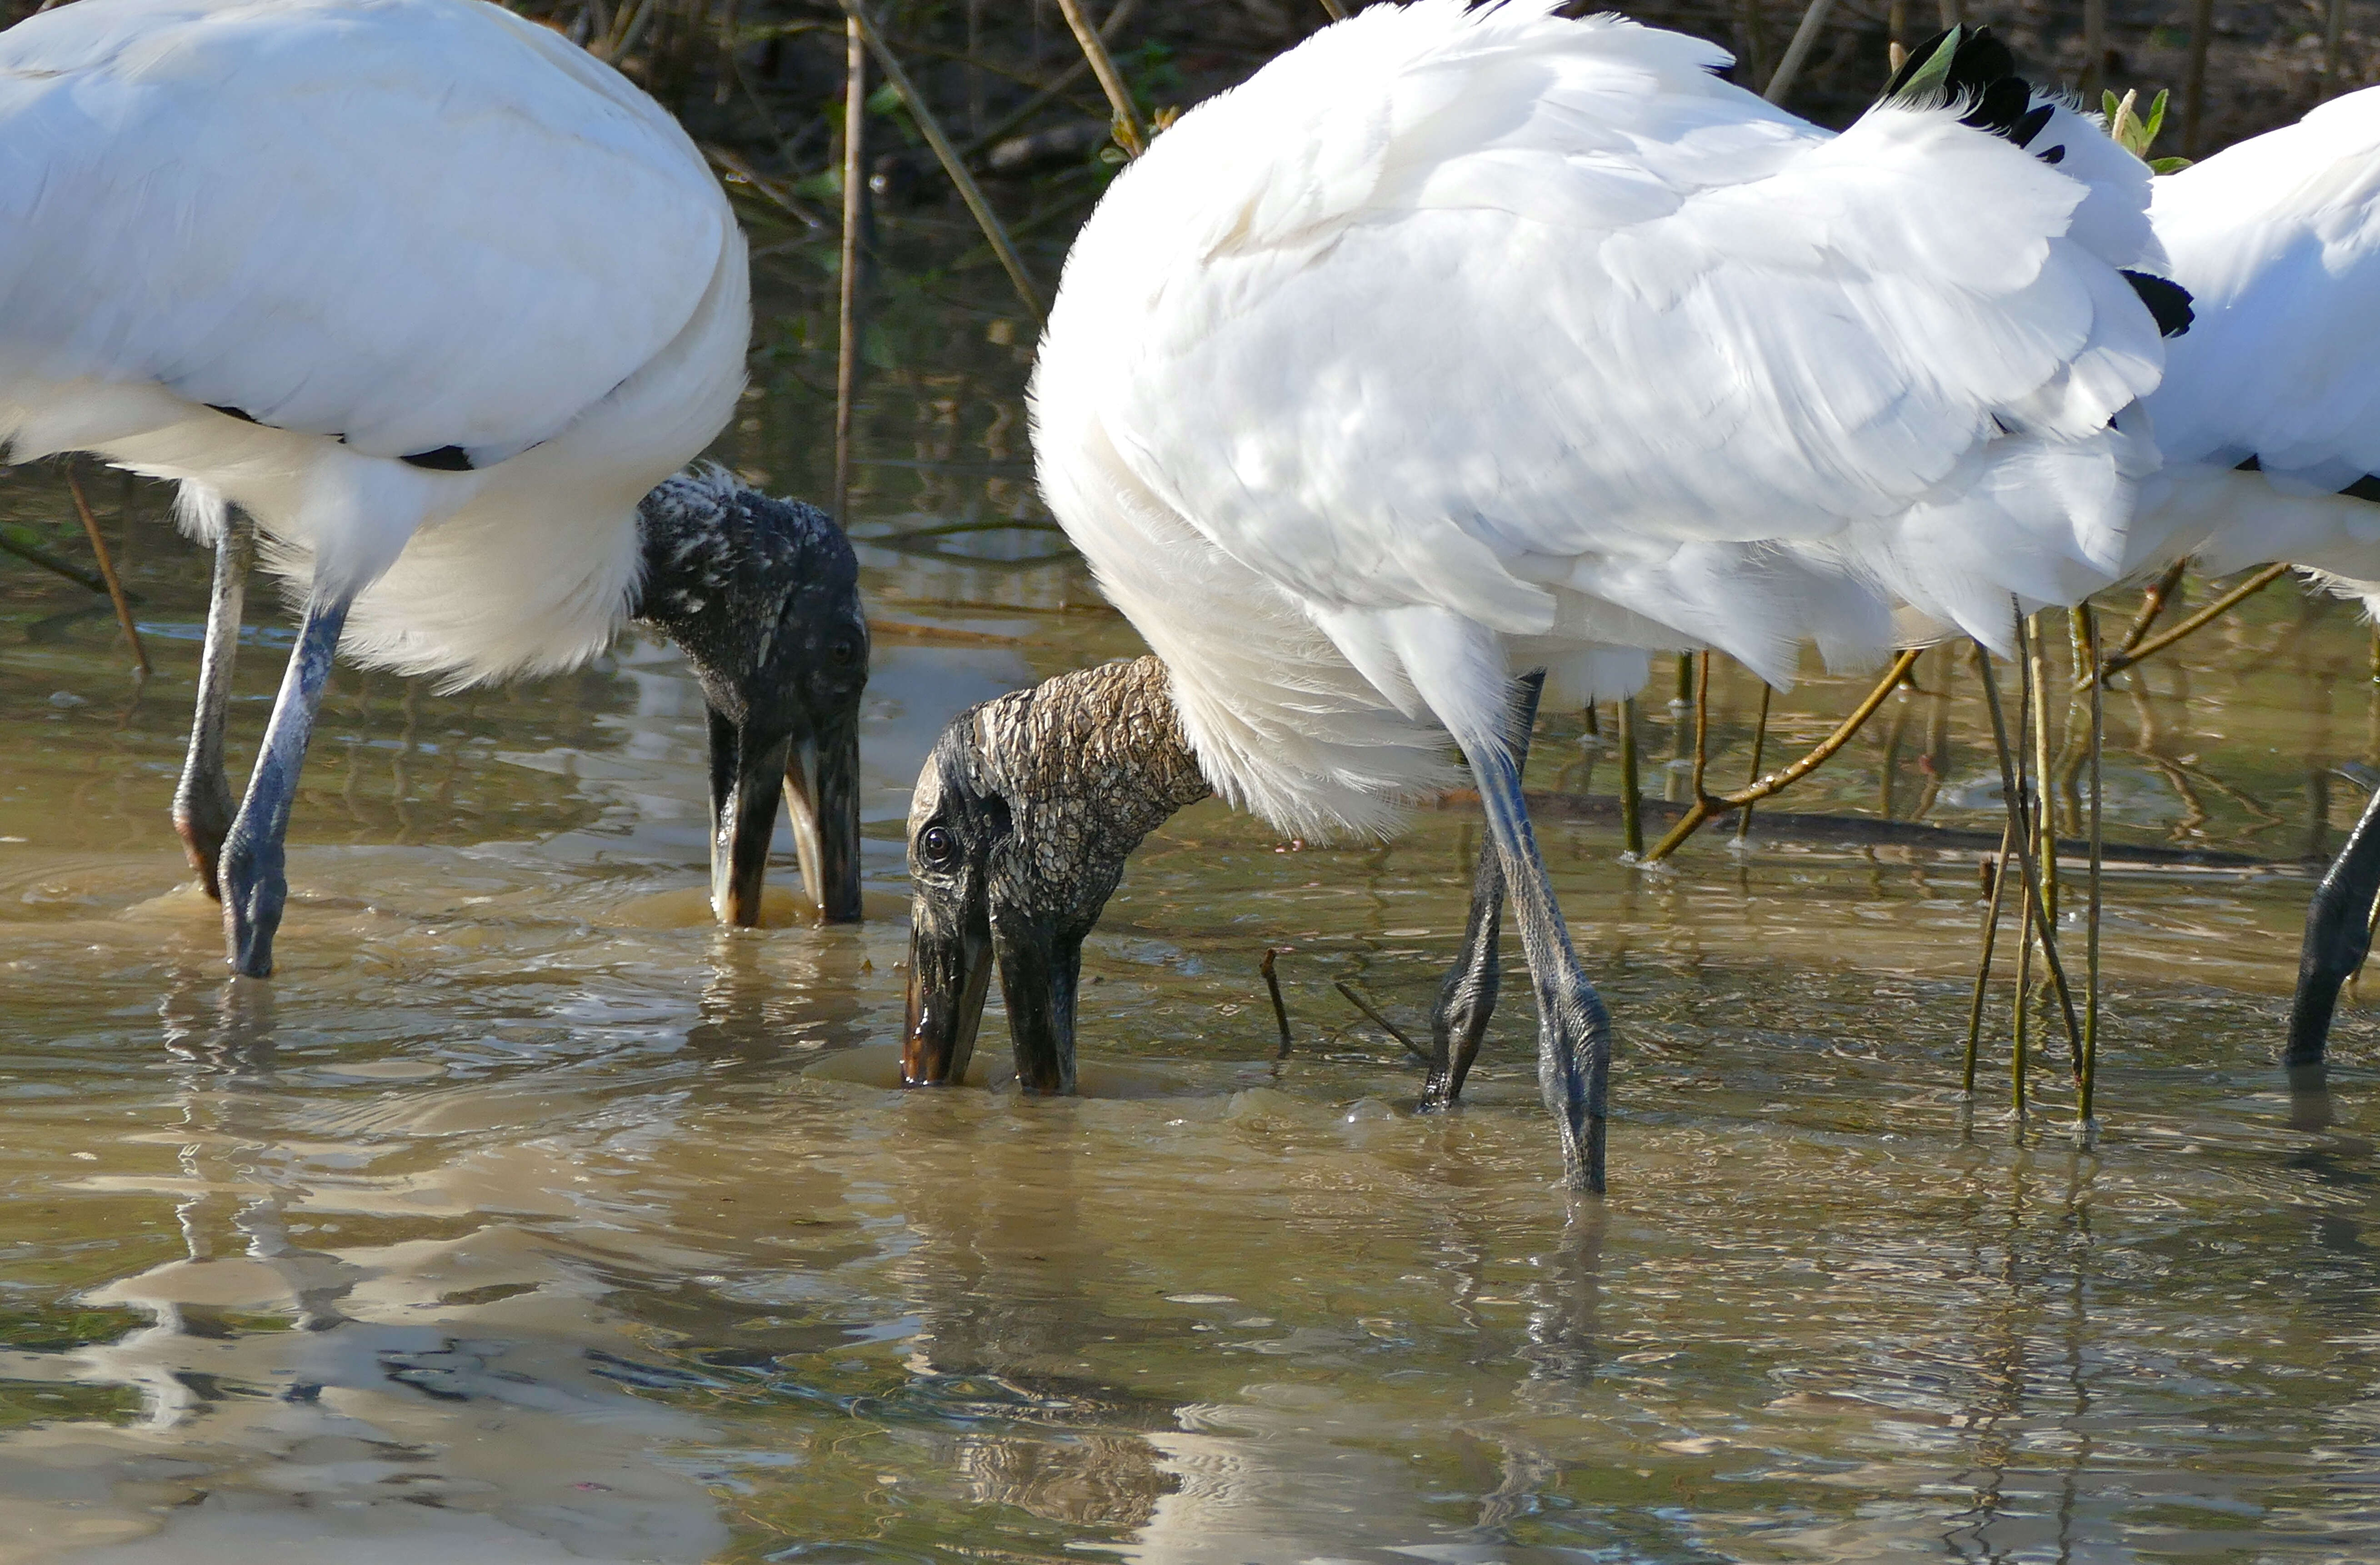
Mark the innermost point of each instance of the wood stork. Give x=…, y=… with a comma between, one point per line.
x=2268, y=420
x=1457, y=344
x=439, y=301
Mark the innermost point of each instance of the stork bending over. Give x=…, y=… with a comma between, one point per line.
x=438, y=302
x=1459, y=344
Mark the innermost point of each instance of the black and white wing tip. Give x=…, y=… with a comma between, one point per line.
x=1967, y=66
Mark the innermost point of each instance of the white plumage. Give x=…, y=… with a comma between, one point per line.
x=1456, y=343
x=2277, y=239
x=413, y=224
x=436, y=301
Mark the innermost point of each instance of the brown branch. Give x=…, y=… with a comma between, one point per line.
x=1130, y=133
x=1360, y=1003
x=107, y=571
x=1707, y=804
x=953, y=164
x=2117, y=662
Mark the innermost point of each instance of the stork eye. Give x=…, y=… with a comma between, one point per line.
x=941, y=849
x=841, y=652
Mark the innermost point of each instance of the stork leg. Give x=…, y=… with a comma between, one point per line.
x=1573, y=1030
x=1467, y=998
x=202, y=802
x=2338, y=938
x=254, y=883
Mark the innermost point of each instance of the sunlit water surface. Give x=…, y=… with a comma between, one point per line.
x=519, y=1218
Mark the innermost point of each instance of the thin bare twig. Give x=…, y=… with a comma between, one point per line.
x=2025, y=844
x=1360, y=1003
x=2152, y=602
x=854, y=210
x=1338, y=12
x=1058, y=88
x=1632, y=797
x=1272, y=987
x=1805, y=36
x=107, y=570
x=1759, y=747
x=1130, y=134
x=2089, y=626
x=1983, y=967
x=953, y=164
x=1707, y=805
x=2118, y=662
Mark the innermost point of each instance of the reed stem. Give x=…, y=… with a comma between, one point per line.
x=1130, y=134
x=1983, y=967
x=107, y=570
x=1632, y=807
x=855, y=221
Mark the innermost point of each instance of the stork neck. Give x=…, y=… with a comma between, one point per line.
x=688, y=550
x=1103, y=747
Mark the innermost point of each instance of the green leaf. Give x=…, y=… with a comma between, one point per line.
x=2153, y=121
x=1925, y=82
x=2108, y=104
x=2168, y=166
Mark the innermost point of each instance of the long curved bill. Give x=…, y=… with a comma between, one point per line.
x=822, y=778
x=950, y=971
x=745, y=781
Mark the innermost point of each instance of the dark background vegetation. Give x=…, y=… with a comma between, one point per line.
x=760, y=81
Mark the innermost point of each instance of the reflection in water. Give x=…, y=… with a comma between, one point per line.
x=513, y=1223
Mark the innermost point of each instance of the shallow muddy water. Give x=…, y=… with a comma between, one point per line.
x=526, y=1217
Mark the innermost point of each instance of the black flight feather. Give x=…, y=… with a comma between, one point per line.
x=2168, y=301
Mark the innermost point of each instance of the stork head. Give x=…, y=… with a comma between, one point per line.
x=762, y=596
x=1018, y=832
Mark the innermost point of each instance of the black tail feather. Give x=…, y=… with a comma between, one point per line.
x=2168, y=301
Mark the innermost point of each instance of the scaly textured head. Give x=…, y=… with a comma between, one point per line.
x=763, y=595
x=1018, y=832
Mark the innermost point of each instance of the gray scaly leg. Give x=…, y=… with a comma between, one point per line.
x=1467, y=998
x=254, y=883
x=2338, y=938
x=1573, y=1030
x=202, y=802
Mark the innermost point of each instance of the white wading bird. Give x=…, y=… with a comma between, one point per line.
x=437, y=300
x=1457, y=344
x=2269, y=419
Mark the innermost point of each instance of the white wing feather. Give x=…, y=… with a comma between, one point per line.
x=2279, y=241
x=281, y=218
x=1537, y=327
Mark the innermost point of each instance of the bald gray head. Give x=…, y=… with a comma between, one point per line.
x=1018, y=832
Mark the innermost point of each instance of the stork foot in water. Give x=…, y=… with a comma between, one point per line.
x=2337, y=938
x=1573, y=1030
x=1466, y=1000
x=254, y=872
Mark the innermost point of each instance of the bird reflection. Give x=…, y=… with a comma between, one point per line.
x=764, y=998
